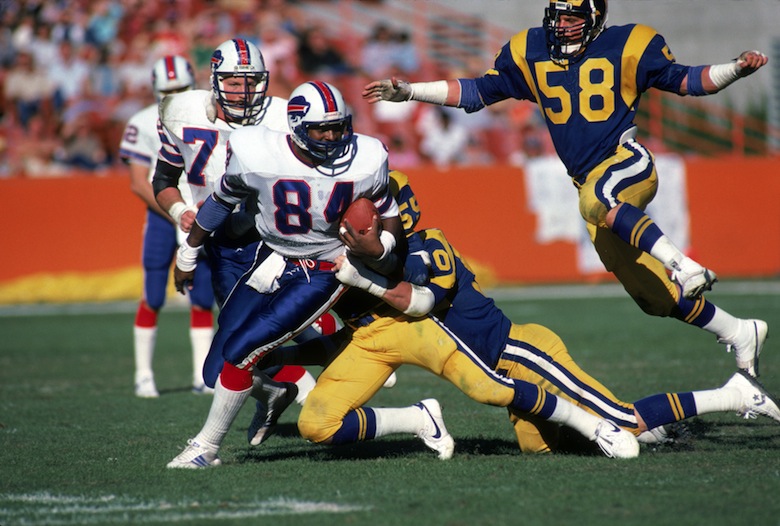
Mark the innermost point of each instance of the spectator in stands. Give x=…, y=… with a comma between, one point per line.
x=280, y=51
x=69, y=75
x=70, y=26
x=83, y=148
x=318, y=57
x=378, y=54
x=28, y=90
x=103, y=25
x=443, y=141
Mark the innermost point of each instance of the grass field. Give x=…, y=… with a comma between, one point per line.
x=78, y=448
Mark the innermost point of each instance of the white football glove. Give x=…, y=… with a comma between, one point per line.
x=354, y=273
x=394, y=90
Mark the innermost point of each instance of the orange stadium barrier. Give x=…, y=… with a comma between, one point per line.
x=86, y=226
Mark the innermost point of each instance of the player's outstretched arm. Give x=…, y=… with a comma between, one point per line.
x=442, y=92
x=705, y=80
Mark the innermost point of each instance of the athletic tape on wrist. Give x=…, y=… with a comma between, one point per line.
x=434, y=92
x=724, y=74
x=187, y=257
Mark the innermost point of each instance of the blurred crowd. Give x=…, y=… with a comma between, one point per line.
x=73, y=71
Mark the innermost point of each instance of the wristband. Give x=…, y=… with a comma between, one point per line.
x=724, y=74
x=177, y=210
x=187, y=257
x=388, y=243
x=421, y=301
x=434, y=92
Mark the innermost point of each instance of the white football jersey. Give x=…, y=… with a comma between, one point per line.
x=195, y=139
x=141, y=143
x=300, y=206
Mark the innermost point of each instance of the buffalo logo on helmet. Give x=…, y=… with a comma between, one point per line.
x=217, y=59
x=297, y=108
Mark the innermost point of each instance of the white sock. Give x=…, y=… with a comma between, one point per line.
x=200, y=338
x=667, y=253
x=723, y=325
x=224, y=409
x=305, y=384
x=717, y=400
x=392, y=420
x=578, y=419
x=144, y=339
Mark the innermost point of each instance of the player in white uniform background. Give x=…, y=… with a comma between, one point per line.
x=300, y=183
x=138, y=148
x=194, y=128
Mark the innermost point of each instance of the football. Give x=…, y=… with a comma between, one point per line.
x=360, y=214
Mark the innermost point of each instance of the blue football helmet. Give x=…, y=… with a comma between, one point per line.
x=566, y=43
x=319, y=105
x=239, y=58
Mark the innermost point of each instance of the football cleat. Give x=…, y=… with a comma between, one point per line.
x=434, y=433
x=145, y=388
x=693, y=279
x=264, y=421
x=755, y=399
x=202, y=389
x=616, y=442
x=195, y=456
x=747, y=344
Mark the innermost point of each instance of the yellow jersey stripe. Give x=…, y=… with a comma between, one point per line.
x=635, y=46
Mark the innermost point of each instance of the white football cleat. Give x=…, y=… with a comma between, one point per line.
x=145, y=388
x=264, y=421
x=616, y=442
x=195, y=456
x=755, y=399
x=391, y=381
x=434, y=433
x=747, y=344
x=202, y=389
x=693, y=278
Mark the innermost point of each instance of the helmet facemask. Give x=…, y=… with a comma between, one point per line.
x=239, y=81
x=241, y=96
x=321, y=107
x=566, y=42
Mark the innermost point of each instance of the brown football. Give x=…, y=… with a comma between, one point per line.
x=360, y=214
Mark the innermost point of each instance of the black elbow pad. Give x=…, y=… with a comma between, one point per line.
x=165, y=176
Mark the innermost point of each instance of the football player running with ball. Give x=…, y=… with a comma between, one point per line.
x=587, y=79
x=298, y=184
x=194, y=128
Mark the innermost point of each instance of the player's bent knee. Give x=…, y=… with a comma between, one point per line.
x=316, y=429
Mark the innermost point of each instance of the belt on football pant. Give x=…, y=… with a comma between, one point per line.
x=313, y=264
x=628, y=135
x=365, y=320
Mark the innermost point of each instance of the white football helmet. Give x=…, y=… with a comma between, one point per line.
x=319, y=104
x=239, y=58
x=171, y=74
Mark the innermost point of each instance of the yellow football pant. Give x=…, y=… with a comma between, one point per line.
x=644, y=277
x=537, y=355
x=374, y=352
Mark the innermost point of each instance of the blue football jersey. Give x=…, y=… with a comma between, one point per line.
x=591, y=101
x=460, y=304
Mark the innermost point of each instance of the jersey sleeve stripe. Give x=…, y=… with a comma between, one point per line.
x=635, y=47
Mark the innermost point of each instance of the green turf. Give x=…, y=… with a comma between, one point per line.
x=76, y=447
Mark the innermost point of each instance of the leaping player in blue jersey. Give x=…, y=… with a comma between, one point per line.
x=587, y=80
